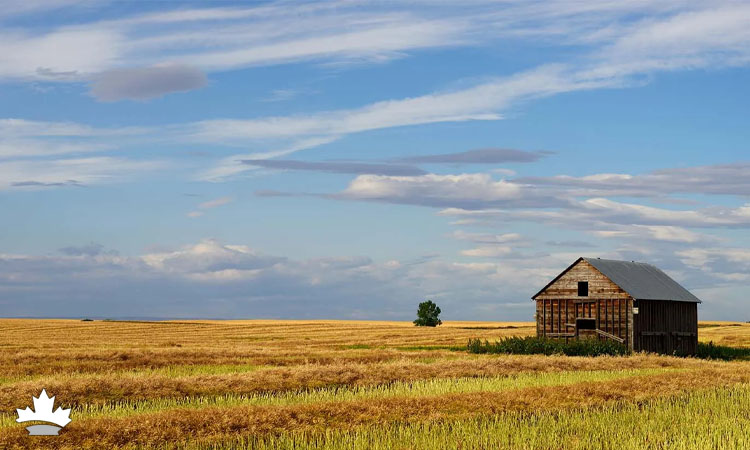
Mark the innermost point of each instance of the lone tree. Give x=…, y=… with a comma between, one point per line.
x=428, y=315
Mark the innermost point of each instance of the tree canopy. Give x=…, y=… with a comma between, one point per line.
x=428, y=315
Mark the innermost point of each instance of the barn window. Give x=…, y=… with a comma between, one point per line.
x=585, y=323
x=583, y=288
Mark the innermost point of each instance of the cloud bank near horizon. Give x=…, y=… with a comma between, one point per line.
x=212, y=279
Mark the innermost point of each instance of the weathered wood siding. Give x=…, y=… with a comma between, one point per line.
x=567, y=285
x=558, y=306
x=666, y=327
x=557, y=318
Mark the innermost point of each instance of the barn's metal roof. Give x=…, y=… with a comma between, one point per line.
x=642, y=281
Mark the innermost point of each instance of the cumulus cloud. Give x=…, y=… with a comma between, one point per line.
x=212, y=279
x=478, y=199
x=469, y=191
x=146, y=82
x=210, y=258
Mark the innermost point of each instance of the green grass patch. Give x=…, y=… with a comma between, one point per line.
x=531, y=345
x=723, y=352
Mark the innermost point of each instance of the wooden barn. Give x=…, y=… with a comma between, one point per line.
x=630, y=302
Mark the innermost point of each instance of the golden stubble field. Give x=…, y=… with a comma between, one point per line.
x=347, y=384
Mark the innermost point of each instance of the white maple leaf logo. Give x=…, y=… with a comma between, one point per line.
x=43, y=413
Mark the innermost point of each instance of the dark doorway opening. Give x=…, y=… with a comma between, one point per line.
x=585, y=324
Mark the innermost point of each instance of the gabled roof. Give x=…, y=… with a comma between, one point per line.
x=640, y=280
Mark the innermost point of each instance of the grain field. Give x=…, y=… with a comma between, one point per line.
x=349, y=385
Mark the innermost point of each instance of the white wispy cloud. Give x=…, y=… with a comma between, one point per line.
x=720, y=179
x=215, y=202
x=488, y=251
x=685, y=35
x=24, y=7
x=661, y=233
x=34, y=174
x=217, y=39
x=623, y=39
x=22, y=148
x=232, y=37
x=209, y=205
x=590, y=213
x=15, y=128
x=487, y=238
x=618, y=41
x=481, y=102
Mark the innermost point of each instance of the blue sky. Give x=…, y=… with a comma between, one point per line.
x=348, y=159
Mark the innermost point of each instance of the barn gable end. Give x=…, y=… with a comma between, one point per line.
x=566, y=284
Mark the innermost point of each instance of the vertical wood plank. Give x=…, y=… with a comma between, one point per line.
x=597, y=314
x=606, y=317
x=627, y=316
